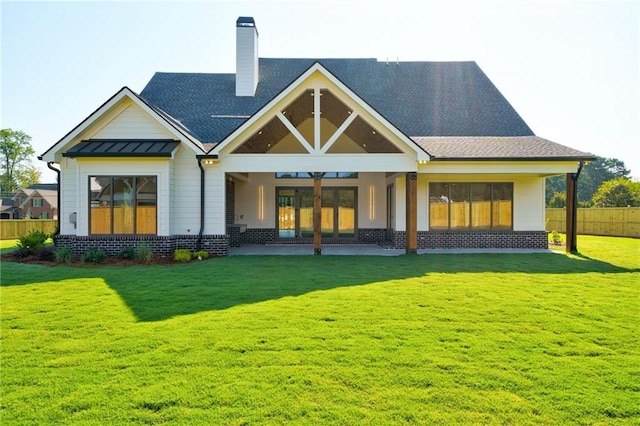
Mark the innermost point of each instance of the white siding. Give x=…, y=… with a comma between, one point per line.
x=214, y=201
x=528, y=197
x=68, y=195
x=401, y=204
x=247, y=208
x=185, y=186
x=132, y=123
x=528, y=204
x=371, y=213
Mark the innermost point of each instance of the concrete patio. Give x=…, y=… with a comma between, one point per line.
x=357, y=250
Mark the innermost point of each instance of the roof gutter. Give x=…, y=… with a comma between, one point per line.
x=50, y=166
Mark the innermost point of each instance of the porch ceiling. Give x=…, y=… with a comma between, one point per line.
x=332, y=109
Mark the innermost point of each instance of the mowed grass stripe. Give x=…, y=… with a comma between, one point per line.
x=525, y=339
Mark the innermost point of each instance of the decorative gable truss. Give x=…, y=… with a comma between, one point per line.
x=318, y=116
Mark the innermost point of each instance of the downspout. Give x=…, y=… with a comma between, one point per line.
x=574, y=216
x=50, y=166
x=199, y=243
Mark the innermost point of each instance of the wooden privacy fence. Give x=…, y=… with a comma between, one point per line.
x=11, y=229
x=612, y=221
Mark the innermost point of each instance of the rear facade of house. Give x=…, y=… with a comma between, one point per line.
x=412, y=155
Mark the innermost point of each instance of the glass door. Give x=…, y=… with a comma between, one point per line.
x=286, y=213
x=295, y=212
x=346, y=213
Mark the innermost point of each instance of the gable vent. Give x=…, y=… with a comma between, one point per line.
x=246, y=56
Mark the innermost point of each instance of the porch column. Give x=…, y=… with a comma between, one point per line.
x=412, y=212
x=571, y=209
x=317, y=213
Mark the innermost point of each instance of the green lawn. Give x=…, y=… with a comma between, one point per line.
x=438, y=339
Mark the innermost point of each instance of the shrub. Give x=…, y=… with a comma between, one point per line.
x=46, y=254
x=201, y=254
x=23, y=252
x=34, y=240
x=556, y=238
x=145, y=254
x=94, y=255
x=182, y=255
x=63, y=254
x=127, y=253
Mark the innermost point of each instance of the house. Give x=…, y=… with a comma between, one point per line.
x=37, y=201
x=412, y=154
x=7, y=210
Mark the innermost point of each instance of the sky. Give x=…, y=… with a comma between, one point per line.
x=570, y=68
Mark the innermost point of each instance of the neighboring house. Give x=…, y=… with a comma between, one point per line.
x=411, y=154
x=37, y=201
x=7, y=210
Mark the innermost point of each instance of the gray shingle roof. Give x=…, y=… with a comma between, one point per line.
x=49, y=186
x=419, y=98
x=497, y=148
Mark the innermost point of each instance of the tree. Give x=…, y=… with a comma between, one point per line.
x=15, y=159
x=592, y=176
x=620, y=192
x=558, y=200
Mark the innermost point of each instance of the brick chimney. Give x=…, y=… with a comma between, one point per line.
x=246, y=56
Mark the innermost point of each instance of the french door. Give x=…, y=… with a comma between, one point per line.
x=295, y=212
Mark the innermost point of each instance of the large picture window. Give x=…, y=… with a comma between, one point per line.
x=123, y=204
x=470, y=206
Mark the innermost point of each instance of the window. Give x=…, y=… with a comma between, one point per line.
x=470, y=206
x=36, y=202
x=123, y=204
x=44, y=215
x=308, y=175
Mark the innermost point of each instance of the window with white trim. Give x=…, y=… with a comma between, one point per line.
x=474, y=206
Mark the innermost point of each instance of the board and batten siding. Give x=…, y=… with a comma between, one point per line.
x=132, y=123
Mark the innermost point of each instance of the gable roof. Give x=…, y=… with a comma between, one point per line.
x=49, y=186
x=418, y=98
x=51, y=197
x=341, y=87
x=174, y=126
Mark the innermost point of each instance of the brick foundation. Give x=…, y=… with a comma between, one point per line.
x=476, y=239
x=372, y=235
x=216, y=245
x=269, y=236
x=258, y=236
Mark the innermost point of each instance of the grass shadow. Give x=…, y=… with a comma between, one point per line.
x=156, y=293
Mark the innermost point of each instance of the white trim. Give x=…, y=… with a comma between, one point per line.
x=421, y=155
x=52, y=154
x=294, y=132
x=339, y=131
x=316, y=119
